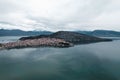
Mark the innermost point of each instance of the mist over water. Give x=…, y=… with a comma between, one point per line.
x=96, y=61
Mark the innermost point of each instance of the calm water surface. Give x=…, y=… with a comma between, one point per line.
x=6, y=39
x=96, y=61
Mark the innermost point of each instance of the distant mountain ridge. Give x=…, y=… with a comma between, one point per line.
x=97, y=33
x=101, y=33
x=4, y=32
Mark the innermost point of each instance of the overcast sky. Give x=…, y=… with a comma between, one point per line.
x=54, y=15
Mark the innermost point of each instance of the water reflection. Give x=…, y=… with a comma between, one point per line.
x=82, y=62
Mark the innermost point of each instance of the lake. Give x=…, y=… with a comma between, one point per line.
x=95, y=61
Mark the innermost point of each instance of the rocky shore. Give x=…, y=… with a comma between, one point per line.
x=42, y=42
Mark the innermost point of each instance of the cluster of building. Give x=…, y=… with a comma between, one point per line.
x=52, y=42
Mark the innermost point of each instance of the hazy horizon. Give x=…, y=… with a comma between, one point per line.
x=57, y=15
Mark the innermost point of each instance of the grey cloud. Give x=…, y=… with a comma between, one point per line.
x=7, y=6
x=60, y=15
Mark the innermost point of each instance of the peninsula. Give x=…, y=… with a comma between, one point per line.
x=72, y=37
x=58, y=39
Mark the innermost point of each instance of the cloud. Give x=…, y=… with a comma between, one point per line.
x=57, y=15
